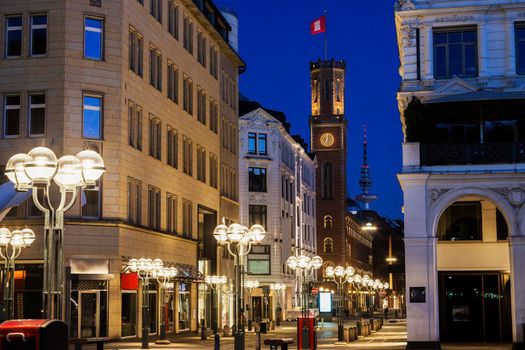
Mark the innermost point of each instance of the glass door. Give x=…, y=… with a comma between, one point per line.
x=89, y=311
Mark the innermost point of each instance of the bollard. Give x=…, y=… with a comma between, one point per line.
x=217, y=342
x=203, y=330
x=257, y=340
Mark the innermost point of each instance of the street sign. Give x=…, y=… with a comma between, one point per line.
x=315, y=290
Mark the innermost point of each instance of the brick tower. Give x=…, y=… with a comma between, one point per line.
x=328, y=140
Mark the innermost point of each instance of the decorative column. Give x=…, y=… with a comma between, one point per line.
x=517, y=283
x=510, y=47
x=429, y=56
x=482, y=32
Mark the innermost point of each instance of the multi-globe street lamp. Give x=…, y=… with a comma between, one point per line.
x=239, y=240
x=278, y=288
x=145, y=269
x=11, y=245
x=250, y=285
x=340, y=276
x=305, y=268
x=164, y=276
x=34, y=171
x=216, y=283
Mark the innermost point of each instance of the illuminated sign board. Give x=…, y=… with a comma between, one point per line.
x=325, y=302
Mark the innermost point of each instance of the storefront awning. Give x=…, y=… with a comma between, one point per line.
x=189, y=273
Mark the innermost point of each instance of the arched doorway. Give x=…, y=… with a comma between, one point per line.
x=473, y=271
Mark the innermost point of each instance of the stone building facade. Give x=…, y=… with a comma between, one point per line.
x=463, y=177
x=277, y=190
x=145, y=83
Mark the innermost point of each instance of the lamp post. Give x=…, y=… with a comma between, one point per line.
x=277, y=289
x=145, y=269
x=250, y=285
x=216, y=283
x=239, y=240
x=305, y=268
x=164, y=275
x=340, y=276
x=11, y=245
x=34, y=171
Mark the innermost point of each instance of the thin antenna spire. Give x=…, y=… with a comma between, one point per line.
x=325, y=35
x=365, y=180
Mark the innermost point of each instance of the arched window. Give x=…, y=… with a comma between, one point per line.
x=328, y=245
x=315, y=90
x=327, y=221
x=327, y=91
x=338, y=93
x=327, y=175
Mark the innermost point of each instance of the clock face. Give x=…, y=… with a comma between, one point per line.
x=327, y=139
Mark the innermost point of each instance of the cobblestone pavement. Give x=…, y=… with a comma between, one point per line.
x=391, y=337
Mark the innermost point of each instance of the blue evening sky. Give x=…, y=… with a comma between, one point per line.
x=275, y=42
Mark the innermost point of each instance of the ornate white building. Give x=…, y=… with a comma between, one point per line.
x=461, y=101
x=277, y=190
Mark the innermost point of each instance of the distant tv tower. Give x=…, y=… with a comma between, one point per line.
x=365, y=181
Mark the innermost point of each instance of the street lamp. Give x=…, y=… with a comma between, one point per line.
x=34, y=171
x=216, y=283
x=146, y=269
x=250, y=285
x=277, y=289
x=340, y=276
x=11, y=245
x=305, y=268
x=239, y=240
x=164, y=275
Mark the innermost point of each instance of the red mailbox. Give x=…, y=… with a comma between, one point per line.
x=33, y=335
x=309, y=323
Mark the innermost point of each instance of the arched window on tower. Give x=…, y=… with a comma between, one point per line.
x=327, y=91
x=327, y=180
x=338, y=90
x=328, y=245
x=327, y=221
x=315, y=90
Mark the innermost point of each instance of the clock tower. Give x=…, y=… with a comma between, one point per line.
x=328, y=140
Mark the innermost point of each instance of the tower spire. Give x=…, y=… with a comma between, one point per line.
x=365, y=180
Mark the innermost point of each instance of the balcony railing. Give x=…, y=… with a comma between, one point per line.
x=473, y=153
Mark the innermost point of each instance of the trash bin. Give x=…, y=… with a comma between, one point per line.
x=263, y=327
x=33, y=335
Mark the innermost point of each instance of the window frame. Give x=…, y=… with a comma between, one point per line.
x=97, y=188
x=102, y=37
x=262, y=184
x=30, y=107
x=5, y=109
x=101, y=118
x=519, y=25
x=6, y=33
x=448, y=30
x=38, y=26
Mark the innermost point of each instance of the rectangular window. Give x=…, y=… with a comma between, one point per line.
x=91, y=200
x=154, y=208
x=187, y=156
x=262, y=144
x=455, y=52
x=136, y=51
x=201, y=49
x=135, y=125
x=520, y=48
x=155, y=138
x=38, y=35
x=155, y=68
x=93, y=118
x=188, y=35
x=201, y=164
x=171, y=213
x=214, y=171
x=37, y=114
x=13, y=36
x=233, y=138
x=173, y=19
x=173, y=82
x=93, y=38
x=257, y=215
x=187, y=218
x=252, y=143
x=188, y=95
x=201, y=106
x=134, y=201
x=11, y=115
x=214, y=116
x=257, y=179
x=214, y=54
x=156, y=9
x=173, y=148
x=259, y=260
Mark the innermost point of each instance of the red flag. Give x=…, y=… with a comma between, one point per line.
x=318, y=26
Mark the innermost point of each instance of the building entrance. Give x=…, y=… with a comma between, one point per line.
x=475, y=307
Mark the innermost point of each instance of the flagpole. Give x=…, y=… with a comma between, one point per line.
x=325, y=36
